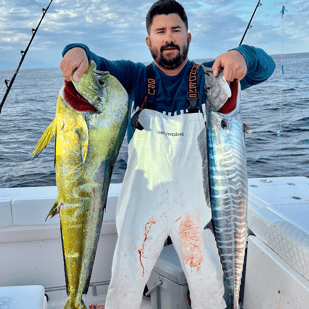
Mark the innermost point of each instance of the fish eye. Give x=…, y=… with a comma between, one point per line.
x=99, y=80
x=223, y=124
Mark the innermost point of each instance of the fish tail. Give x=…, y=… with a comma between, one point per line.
x=45, y=139
x=74, y=302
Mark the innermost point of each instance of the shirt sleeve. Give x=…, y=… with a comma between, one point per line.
x=123, y=70
x=260, y=66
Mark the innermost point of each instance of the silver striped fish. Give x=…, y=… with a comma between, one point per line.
x=222, y=147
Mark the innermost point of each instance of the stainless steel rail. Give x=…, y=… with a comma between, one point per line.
x=93, y=285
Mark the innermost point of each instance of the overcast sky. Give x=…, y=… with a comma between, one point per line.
x=115, y=29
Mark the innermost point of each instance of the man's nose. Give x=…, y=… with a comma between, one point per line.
x=169, y=37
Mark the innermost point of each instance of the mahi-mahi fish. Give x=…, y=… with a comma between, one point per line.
x=87, y=141
x=223, y=152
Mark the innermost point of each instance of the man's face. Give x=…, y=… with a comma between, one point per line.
x=168, y=41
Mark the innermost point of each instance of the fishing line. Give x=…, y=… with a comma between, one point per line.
x=282, y=12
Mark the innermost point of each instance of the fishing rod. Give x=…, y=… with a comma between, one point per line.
x=9, y=83
x=249, y=24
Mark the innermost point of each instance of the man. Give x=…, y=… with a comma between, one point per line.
x=162, y=193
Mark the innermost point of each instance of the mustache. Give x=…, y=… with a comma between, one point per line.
x=169, y=45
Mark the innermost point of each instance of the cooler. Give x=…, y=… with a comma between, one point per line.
x=22, y=297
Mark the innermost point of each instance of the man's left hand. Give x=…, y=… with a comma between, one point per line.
x=234, y=64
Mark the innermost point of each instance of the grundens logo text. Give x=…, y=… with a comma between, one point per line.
x=170, y=134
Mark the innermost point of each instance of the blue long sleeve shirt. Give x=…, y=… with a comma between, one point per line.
x=171, y=96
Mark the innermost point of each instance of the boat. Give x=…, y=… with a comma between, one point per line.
x=276, y=272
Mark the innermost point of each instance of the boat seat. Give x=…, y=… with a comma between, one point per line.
x=29, y=206
x=22, y=297
x=278, y=212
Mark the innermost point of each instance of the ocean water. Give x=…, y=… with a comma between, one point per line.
x=279, y=104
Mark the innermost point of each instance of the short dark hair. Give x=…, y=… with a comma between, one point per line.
x=166, y=7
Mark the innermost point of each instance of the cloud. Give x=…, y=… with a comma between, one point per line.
x=116, y=29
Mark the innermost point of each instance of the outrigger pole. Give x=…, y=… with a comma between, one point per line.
x=249, y=24
x=9, y=83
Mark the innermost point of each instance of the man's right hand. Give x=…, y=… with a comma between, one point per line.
x=74, y=61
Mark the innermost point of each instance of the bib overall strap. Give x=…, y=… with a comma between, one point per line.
x=149, y=98
x=193, y=94
x=151, y=90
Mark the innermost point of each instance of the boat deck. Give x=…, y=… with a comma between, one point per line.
x=278, y=212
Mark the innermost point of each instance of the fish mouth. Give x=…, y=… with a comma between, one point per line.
x=75, y=100
x=99, y=74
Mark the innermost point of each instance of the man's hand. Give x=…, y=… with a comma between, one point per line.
x=75, y=60
x=234, y=64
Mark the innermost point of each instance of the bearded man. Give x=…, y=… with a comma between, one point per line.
x=162, y=193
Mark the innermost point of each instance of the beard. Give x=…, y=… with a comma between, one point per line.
x=170, y=63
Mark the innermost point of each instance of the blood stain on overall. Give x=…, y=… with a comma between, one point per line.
x=141, y=251
x=191, y=240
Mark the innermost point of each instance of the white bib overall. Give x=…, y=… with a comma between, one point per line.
x=162, y=195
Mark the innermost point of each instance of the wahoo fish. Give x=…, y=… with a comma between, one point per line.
x=222, y=147
x=89, y=128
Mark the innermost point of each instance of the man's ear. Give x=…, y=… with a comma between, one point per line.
x=189, y=37
x=147, y=40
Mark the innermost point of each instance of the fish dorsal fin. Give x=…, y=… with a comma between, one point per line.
x=246, y=128
x=54, y=210
x=210, y=225
x=45, y=139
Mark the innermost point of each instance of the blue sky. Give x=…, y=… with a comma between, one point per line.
x=116, y=29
